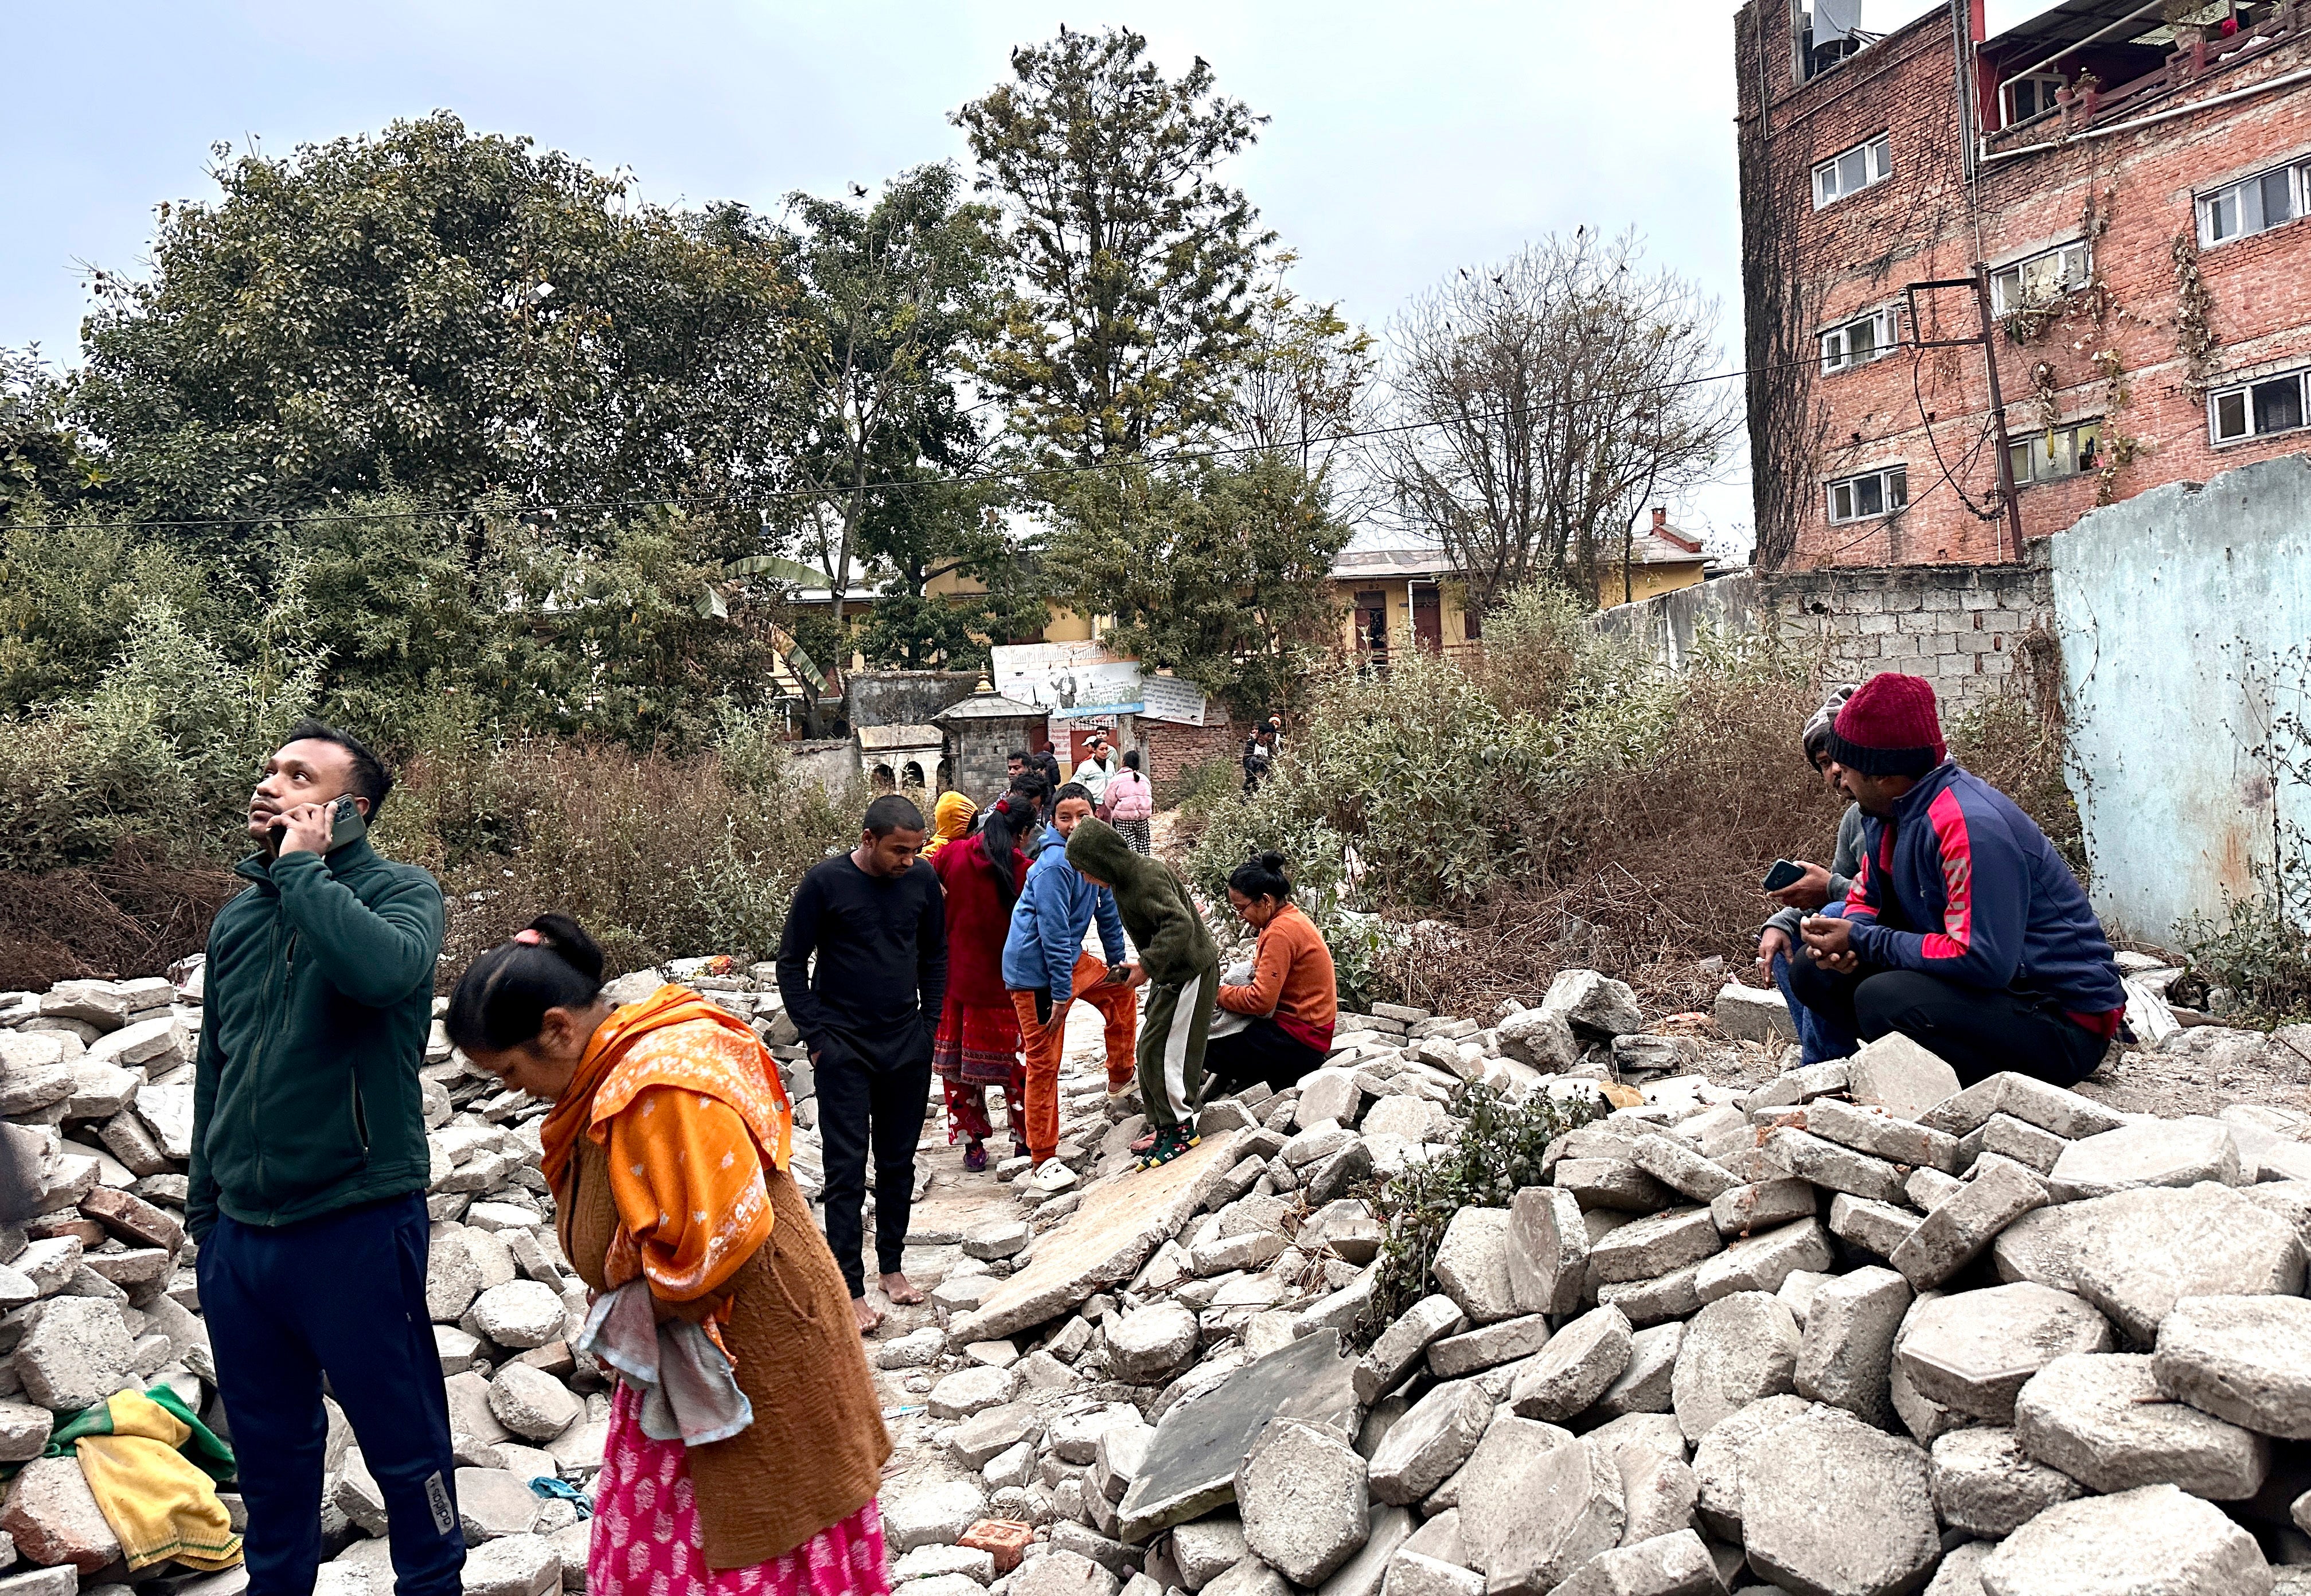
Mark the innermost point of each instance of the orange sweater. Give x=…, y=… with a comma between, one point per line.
x=1292, y=979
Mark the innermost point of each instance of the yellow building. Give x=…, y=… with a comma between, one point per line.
x=1387, y=594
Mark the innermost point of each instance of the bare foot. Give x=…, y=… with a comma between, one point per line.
x=902, y=1290
x=865, y=1312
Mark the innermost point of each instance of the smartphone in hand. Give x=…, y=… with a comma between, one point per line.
x=1783, y=874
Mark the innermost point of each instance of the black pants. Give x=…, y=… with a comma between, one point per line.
x=861, y=1104
x=1977, y=1030
x=343, y=1295
x=1262, y=1050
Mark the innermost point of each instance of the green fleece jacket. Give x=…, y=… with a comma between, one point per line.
x=1175, y=946
x=318, y=999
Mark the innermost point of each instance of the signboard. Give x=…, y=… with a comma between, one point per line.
x=1085, y=682
x=1068, y=681
x=1170, y=698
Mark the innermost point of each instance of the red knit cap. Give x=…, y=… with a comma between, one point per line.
x=1889, y=728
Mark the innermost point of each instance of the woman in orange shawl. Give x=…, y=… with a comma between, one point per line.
x=666, y=1149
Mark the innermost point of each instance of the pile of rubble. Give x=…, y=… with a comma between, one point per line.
x=100, y=1294
x=1853, y=1333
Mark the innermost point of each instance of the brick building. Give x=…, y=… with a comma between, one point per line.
x=2128, y=190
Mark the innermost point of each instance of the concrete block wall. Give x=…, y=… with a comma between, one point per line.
x=1961, y=626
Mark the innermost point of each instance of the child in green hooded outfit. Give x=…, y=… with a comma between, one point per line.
x=1184, y=976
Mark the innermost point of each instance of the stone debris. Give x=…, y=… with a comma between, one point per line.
x=1855, y=1330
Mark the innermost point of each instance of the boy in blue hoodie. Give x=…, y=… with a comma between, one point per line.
x=1046, y=969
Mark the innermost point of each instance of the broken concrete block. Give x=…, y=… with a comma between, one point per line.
x=2150, y=1152
x=1879, y=1227
x=2246, y=1359
x=1303, y=1497
x=1068, y=1573
x=494, y=1502
x=1365, y=1571
x=1830, y=1503
x=1954, y=1233
x=2155, y=1541
x=1149, y=1346
x=2030, y=1099
x=1762, y=1263
x=1762, y=1204
x=1424, y=1447
x=1987, y=1485
x=1542, y=1040
x=1974, y=1351
x=1899, y=1075
x=1648, y=1384
x=533, y=1404
x=1653, y=1301
x=1205, y=1549
x=1738, y=1349
x=1472, y=1265
x=1547, y=1251
x=1535, y=1505
x=75, y=1355
x=972, y=1390
x=2025, y=1143
x=1682, y=1170
x=1669, y=1565
x=923, y=1515
x=1718, y=1460
x=1594, y=1003
x=1614, y=1183
x=54, y=1519
x=1402, y=1344
x=1882, y=1135
x=1846, y=1356
x=1416, y=1574
x=1659, y=1493
x=2099, y=1418
x=1835, y=1168
x=1656, y=1245
x=1577, y=1366
x=1753, y=1013
x=2138, y=1252
x=513, y=1566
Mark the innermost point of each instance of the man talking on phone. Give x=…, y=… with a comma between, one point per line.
x=309, y=1167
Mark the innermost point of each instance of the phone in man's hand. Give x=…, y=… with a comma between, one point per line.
x=1783, y=874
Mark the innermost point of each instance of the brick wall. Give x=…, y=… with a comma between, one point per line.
x=1166, y=749
x=2116, y=356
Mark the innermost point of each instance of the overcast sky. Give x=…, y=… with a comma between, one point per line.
x=1404, y=141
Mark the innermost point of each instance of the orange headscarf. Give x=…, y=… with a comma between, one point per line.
x=686, y=1180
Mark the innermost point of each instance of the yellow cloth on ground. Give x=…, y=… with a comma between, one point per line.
x=158, y=1503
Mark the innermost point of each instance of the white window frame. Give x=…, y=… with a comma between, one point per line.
x=2026, y=470
x=2243, y=394
x=1837, y=341
x=1877, y=165
x=2044, y=86
x=2073, y=264
x=2240, y=209
x=1893, y=495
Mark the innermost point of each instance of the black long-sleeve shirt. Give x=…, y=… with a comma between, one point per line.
x=881, y=946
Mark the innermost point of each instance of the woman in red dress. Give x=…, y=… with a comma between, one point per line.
x=978, y=1043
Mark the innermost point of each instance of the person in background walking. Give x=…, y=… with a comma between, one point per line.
x=978, y=1041
x=1046, y=969
x=1819, y=888
x=1129, y=803
x=667, y=1151
x=310, y=1166
x=1183, y=968
x=1094, y=773
x=862, y=966
x=1293, y=995
x=1964, y=930
x=951, y=819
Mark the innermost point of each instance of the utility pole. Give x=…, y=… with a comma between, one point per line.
x=1979, y=285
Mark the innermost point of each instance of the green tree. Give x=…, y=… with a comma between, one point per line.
x=1135, y=263
x=70, y=597
x=43, y=457
x=929, y=529
x=1216, y=571
x=892, y=294
x=449, y=313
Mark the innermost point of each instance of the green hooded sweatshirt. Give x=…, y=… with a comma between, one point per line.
x=317, y=998
x=1174, y=945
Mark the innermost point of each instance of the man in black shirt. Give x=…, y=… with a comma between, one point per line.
x=876, y=920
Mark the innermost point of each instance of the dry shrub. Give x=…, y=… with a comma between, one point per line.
x=133, y=914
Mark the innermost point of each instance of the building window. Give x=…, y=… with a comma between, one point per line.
x=1858, y=343
x=2256, y=205
x=2064, y=451
x=2029, y=96
x=2257, y=409
x=2039, y=280
x=1856, y=170
x=1872, y=493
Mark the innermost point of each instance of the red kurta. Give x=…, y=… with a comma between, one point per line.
x=977, y=921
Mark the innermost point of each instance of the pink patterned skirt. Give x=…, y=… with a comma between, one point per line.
x=646, y=1538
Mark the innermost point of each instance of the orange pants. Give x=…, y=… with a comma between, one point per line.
x=1045, y=1038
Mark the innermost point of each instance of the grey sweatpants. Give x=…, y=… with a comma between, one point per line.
x=1171, y=1034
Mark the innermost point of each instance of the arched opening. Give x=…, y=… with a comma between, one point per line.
x=882, y=777
x=913, y=776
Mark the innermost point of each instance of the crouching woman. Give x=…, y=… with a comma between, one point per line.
x=745, y=1445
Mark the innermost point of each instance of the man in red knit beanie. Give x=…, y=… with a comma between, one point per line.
x=1964, y=930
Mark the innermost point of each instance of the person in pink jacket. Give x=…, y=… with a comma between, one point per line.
x=1130, y=801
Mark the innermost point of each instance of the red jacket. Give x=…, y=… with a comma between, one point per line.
x=977, y=921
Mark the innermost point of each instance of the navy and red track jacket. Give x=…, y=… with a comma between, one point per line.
x=1957, y=854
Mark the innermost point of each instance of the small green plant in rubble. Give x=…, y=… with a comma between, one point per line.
x=1499, y=1151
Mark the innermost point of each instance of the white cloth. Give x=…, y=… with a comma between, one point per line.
x=689, y=1393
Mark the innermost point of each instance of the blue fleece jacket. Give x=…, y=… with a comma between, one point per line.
x=1056, y=907
x=1960, y=883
